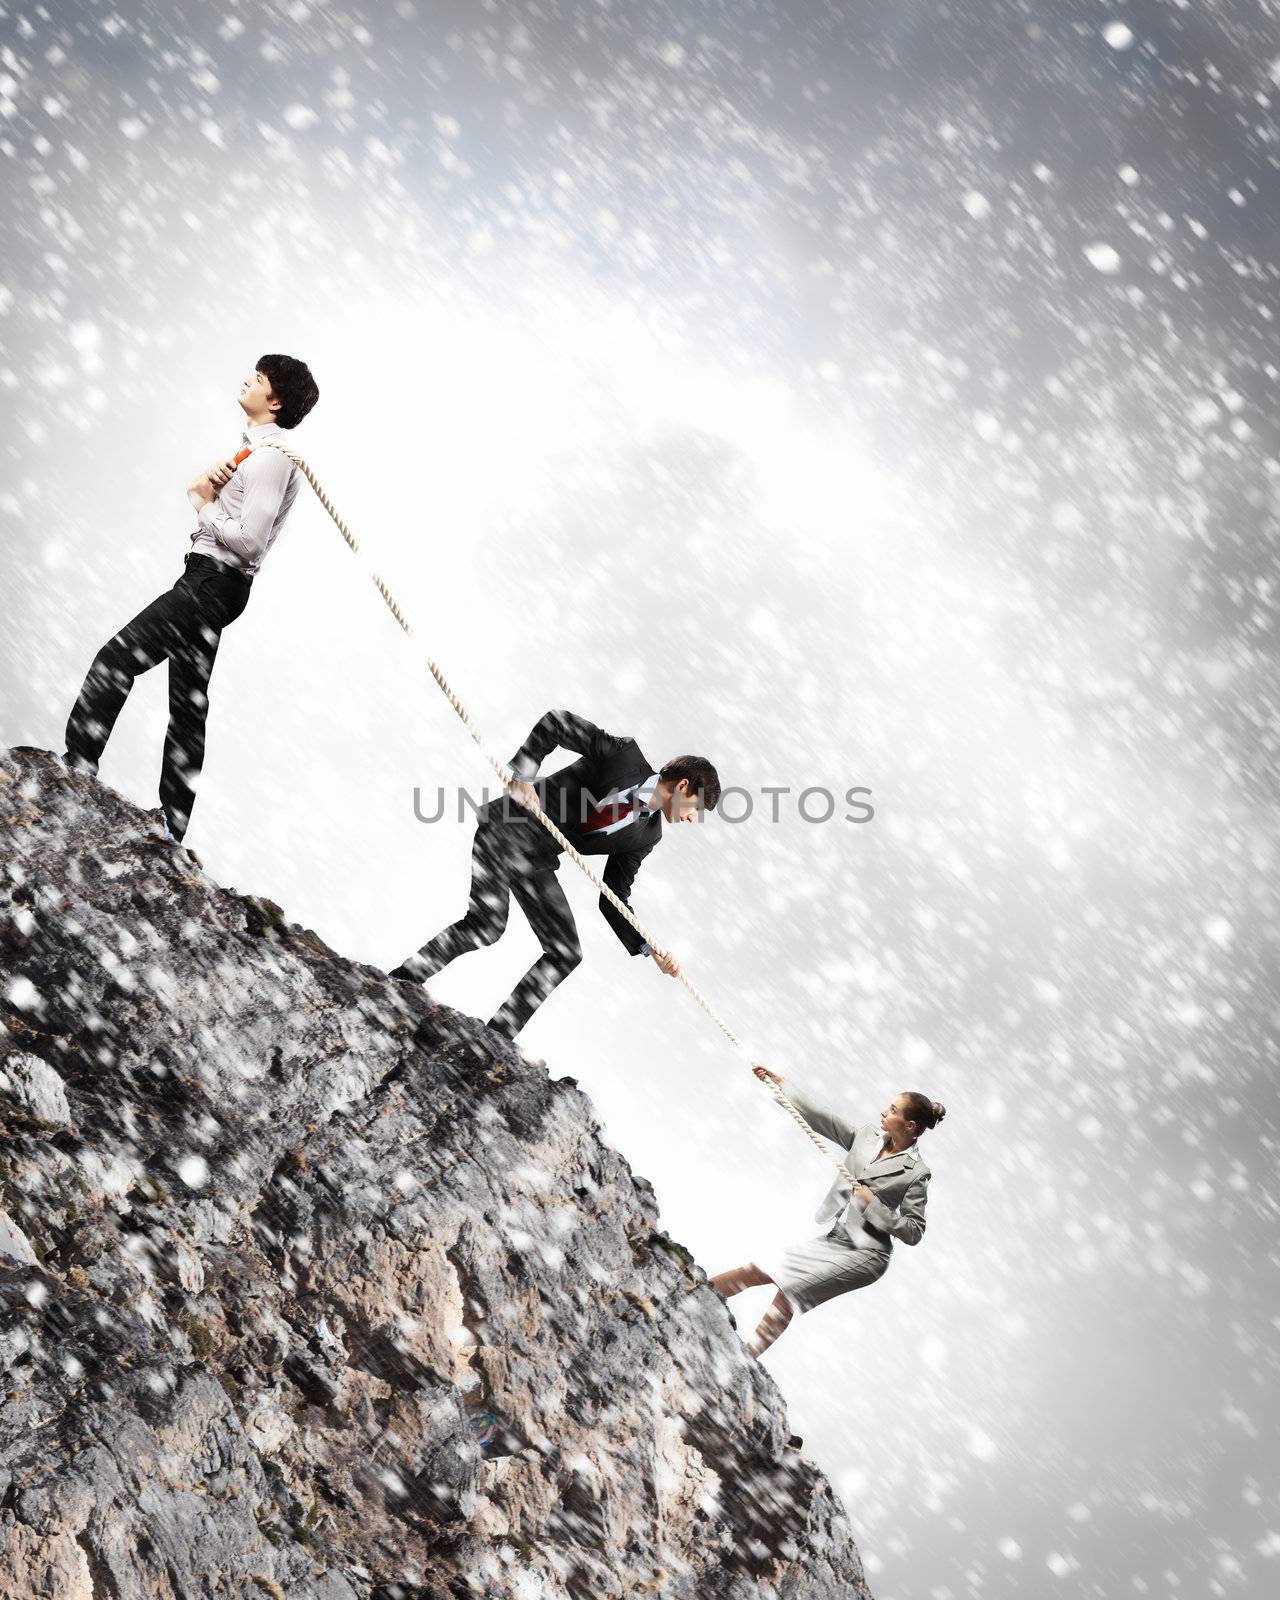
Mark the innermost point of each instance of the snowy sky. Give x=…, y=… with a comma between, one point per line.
x=862, y=395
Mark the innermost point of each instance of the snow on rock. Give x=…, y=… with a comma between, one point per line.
x=36, y=1086
x=13, y=1242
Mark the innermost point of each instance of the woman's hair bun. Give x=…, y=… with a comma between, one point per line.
x=925, y=1113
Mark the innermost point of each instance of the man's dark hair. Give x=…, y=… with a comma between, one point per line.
x=292, y=385
x=704, y=780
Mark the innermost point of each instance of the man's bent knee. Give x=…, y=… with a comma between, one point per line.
x=486, y=930
x=567, y=957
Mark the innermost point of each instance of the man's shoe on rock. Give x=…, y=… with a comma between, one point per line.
x=161, y=833
x=159, y=825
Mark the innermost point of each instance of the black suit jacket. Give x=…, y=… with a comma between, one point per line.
x=606, y=761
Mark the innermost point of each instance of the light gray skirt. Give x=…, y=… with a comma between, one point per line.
x=821, y=1268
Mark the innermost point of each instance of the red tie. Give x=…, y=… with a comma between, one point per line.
x=605, y=815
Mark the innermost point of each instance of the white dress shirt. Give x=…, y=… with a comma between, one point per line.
x=639, y=793
x=241, y=523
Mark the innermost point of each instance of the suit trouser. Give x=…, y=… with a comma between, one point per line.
x=506, y=860
x=184, y=626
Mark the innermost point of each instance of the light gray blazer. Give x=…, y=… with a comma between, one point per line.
x=900, y=1183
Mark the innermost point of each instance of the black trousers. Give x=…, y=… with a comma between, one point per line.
x=183, y=626
x=506, y=860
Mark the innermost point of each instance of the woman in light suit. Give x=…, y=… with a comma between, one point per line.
x=886, y=1204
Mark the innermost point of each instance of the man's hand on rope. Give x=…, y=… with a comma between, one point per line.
x=765, y=1076
x=200, y=490
x=666, y=962
x=524, y=794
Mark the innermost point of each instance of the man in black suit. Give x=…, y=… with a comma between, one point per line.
x=609, y=802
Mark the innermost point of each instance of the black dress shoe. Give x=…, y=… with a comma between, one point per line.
x=403, y=974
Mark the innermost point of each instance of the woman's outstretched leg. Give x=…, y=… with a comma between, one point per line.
x=772, y=1324
x=740, y=1278
x=775, y=1318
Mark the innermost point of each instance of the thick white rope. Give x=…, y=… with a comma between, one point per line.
x=508, y=779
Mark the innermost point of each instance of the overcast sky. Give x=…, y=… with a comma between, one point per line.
x=861, y=395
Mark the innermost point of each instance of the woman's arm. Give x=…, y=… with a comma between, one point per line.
x=822, y=1119
x=907, y=1222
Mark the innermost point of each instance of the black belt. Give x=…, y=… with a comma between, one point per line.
x=194, y=558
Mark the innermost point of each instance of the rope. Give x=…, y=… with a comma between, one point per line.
x=508, y=778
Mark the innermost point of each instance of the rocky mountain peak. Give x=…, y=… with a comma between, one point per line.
x=310, y=1287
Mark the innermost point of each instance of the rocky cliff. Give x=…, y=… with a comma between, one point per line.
x=312, y=1288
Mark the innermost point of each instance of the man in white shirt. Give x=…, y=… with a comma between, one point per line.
x=241, y=504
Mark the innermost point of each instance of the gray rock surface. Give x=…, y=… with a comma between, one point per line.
x=296, y=1229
